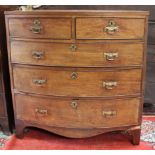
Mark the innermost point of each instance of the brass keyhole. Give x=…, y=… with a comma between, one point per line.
x=74, y=104
x=74, y=75
x=73, y=47
x=36, y=22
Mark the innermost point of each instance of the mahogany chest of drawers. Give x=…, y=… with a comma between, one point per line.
x=77, y=73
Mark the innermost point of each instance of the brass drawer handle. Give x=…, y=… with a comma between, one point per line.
x=74, y=75
x=111, y=27
x=74, y=104
x=38, y=55
x=73, y=47
x=36, y=27
x=111, y=56
x=39, y=82
x=109, y=113
x=109, y=84
x=41, y=111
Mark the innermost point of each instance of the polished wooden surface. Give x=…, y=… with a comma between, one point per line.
x=68, y=80
x=79, y=13
x=94, y=28
x=88, y=113
x=51, y=28
x=88, y=54
x=149, y=106
x=61, y=82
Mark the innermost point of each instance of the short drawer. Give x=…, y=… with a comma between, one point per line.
x=77, y=113
x=77, y=82
x=54, y=28
x=78, y=55
x=109, y=28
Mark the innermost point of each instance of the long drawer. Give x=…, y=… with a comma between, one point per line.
x=53, y=28
x=109, y=28
x=64, y=54
x=77, y=113
x=77, y=82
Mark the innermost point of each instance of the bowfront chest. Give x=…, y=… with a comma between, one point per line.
x=77, y=73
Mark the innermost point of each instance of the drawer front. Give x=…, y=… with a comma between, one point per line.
x=109, y=28
x=77, y=83
x=77, y=113
x=56, y=54
x=54, y=28
x=2, y=108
